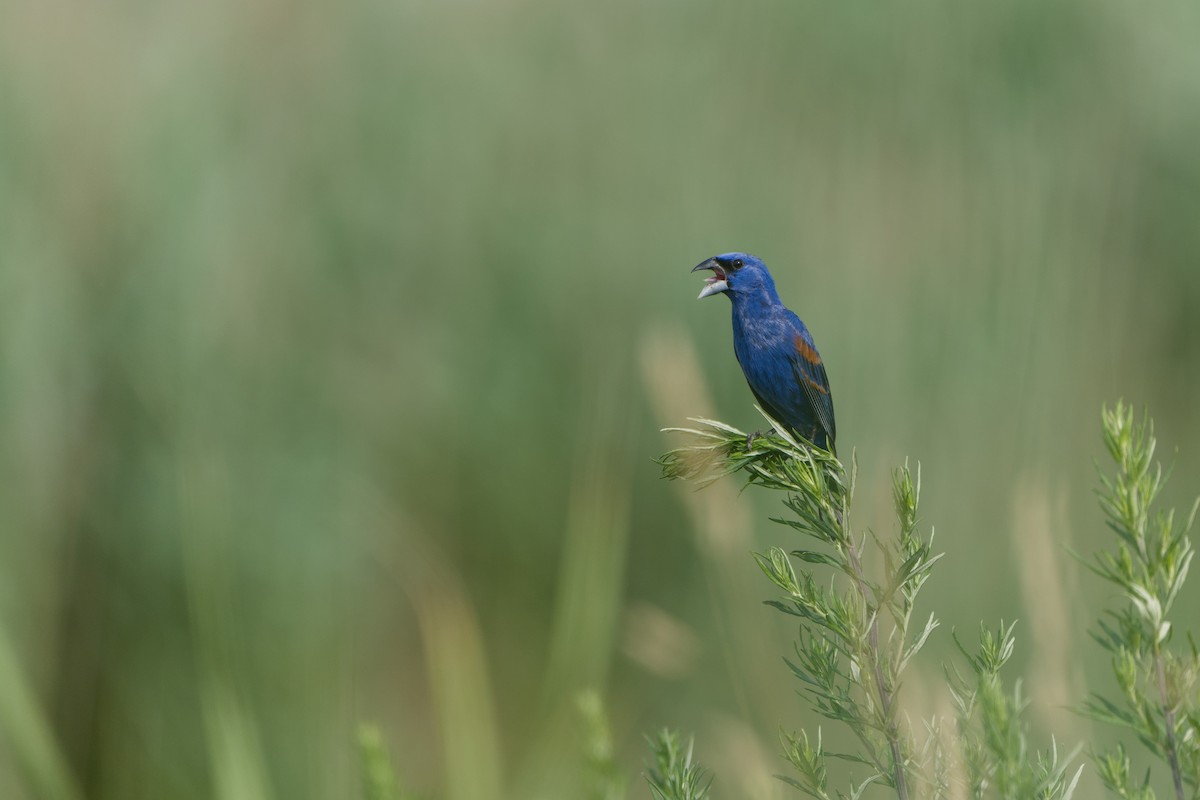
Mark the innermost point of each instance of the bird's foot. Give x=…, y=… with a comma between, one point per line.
x=750, y=439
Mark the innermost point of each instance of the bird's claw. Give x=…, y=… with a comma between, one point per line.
x=750, y=439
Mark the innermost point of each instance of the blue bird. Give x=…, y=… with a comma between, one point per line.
x=775, y=349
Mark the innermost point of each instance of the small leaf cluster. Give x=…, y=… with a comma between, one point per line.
x=675, y=775
x=1158, y=698
x=995, y=748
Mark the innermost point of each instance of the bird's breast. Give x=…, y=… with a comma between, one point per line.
x=751, y=334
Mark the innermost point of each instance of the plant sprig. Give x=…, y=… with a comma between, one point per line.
x=857, y=634
x=994, y=741
x=675, y=776
x=1158, y=700
x=858, y=637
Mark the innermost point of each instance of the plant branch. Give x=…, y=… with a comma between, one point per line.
x=1168, y=712
x=886, y=696
x=1149, y=565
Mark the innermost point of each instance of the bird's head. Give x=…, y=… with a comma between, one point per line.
x=734, y=274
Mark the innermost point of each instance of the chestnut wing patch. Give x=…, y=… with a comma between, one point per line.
x=810, y=374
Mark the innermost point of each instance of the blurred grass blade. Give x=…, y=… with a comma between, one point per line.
x=590, y=585
x=28, y=732
x=457, y=665
x=378, y=776
x=592, y=572
x=239, y=770
x=604, y=777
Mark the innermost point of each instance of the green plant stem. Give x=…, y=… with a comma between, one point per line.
x=885, y=696
x=1168, y=721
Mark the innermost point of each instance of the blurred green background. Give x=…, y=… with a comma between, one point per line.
x=335, y=340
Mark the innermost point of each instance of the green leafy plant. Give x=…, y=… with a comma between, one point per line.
x=858, y=633
x=853, y=595
x=995, y=748
x=675, y=776
x=1158, y=698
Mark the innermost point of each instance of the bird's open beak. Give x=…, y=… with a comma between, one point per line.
x=714, y=283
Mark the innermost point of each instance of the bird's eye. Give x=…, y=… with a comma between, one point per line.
x=737, y=263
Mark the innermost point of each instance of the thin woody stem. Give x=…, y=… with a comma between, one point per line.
x=886, y=696
x=1168, y=722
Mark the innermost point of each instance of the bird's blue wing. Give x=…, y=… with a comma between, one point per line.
x=810, y=376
